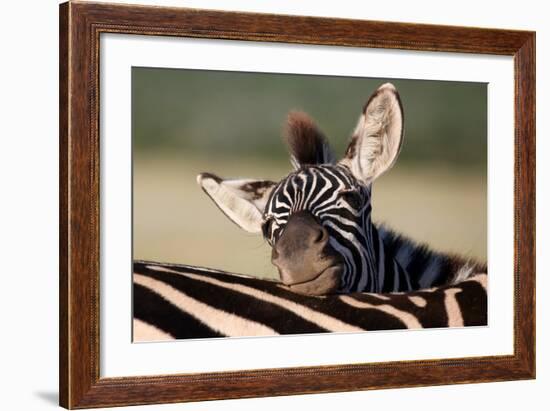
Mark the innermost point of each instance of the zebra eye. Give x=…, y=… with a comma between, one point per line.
x=352, y=197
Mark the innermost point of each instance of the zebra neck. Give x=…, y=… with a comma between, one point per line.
x=388, y=274
x=411, y=266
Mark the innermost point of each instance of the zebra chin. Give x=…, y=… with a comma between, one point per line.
x=326, y=282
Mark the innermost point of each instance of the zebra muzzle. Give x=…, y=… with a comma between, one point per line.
x=304, y=258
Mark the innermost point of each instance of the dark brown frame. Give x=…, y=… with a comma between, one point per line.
x=79, y=380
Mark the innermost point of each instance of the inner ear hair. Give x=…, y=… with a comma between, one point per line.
x=377, y=139
x=242, y=200
x=307, y=144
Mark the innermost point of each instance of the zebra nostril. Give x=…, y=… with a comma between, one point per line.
x=321, y=235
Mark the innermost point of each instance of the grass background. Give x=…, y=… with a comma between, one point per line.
x=189, y=121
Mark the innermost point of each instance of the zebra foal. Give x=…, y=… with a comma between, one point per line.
x=179, y=302
x=317, y=219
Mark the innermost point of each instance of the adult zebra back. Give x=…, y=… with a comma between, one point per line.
x=179, y=301
x=318, y=218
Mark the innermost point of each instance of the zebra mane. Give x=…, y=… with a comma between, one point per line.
x=425, y=264
x=307, y=144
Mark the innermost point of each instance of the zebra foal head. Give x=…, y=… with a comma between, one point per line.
x=318, y=218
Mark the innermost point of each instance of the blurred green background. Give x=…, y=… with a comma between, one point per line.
x=189, y=121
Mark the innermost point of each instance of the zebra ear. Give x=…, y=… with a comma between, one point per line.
x=377, y=139
x=243, y=201
x=306, y=143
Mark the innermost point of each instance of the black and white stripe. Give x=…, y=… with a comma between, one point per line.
x=323, y=196
x=177, y=302
x=375, y=259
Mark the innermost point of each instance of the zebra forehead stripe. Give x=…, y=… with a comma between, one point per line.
x=322, y=320
x=408, y=319
x=325, y=186
x=228, y=324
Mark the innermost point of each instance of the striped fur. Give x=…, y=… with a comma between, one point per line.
x=178, y=301
x=375, y=259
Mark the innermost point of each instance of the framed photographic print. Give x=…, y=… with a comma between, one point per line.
x=257, y=205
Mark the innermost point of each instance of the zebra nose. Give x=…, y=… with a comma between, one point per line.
x=299, y=253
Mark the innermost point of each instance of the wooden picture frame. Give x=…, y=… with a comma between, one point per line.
x=80, y=27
